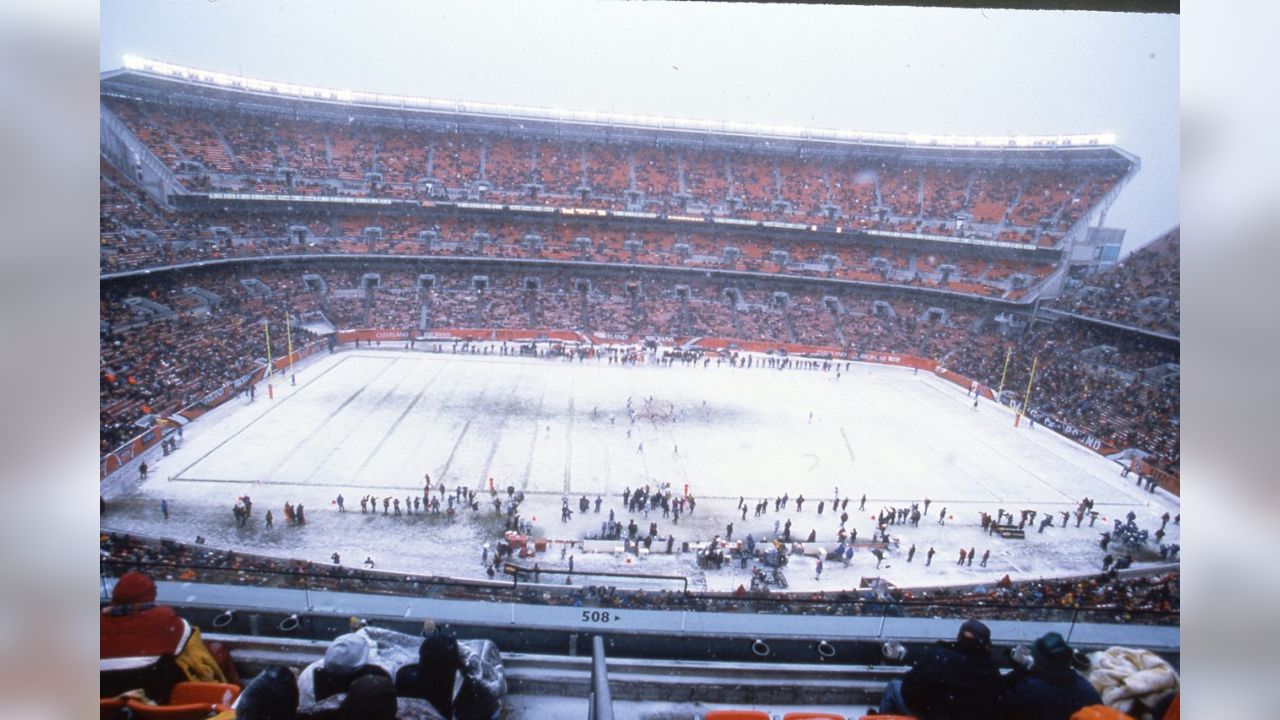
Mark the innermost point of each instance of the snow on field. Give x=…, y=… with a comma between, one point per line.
x=374, y=420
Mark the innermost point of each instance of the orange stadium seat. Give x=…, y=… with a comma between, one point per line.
x=190, y=711
x=1099, y=712
x=737, y=715
x=203, y=692
x=108, y=707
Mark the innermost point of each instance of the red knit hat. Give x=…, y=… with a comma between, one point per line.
x=133, y=587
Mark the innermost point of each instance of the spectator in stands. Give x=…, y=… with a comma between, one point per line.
x=1050, y=689
x=348, y=658
x=272, y=695
x=374, y=697
x=143, y=644
x=370, y=697
x=432, y=677
x=952, y=680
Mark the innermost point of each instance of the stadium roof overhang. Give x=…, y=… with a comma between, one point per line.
x=155, y=80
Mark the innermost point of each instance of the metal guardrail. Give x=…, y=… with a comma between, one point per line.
x=601, y=701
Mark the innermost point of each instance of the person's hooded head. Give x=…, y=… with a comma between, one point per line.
x=346, y=659
x=435, y=673
x=346, y=654
x=132, y=588
x=1052, y=655
x=974, y=635
x=438, y=664
x=272, y=695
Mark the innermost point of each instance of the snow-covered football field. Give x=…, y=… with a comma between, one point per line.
x=374, y=420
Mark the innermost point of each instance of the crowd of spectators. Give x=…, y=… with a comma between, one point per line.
x=1141, y=600
x=1120, y=387
x=152, y=364
x=137, y=233
x=243, y=151
x=1142, y=290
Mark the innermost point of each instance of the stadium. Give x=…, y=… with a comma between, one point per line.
x=576, y=348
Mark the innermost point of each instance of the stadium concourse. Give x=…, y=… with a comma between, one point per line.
x=405, y=300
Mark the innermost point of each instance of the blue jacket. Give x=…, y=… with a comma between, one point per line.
x=953, y=682
x=1040, y=695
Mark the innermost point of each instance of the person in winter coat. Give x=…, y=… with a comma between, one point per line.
x=370, y=697
x=432, y=677
x=143, y=644
x=347, y=658
x=272, y=695
x=1050, y=689
x=951, y=681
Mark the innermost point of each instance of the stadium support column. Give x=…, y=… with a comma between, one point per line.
x=1026, y=400
x=266, y=328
